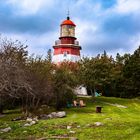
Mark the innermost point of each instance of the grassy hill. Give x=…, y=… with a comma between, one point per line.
x=120, y=119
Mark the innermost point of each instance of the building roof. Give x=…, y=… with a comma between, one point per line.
x=68, y=22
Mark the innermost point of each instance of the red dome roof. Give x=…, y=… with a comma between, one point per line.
x=67, y=22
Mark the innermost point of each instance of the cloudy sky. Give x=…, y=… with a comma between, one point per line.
x=111, y=25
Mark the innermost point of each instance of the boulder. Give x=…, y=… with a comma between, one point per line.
x=29, y=119
x=35, y=119
x=44, y=116
x=52, y=115
x=6, y=129
x=61, y=114
x=17, y=119
x=27, y=124
x=32, y=122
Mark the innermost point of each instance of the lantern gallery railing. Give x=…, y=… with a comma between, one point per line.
x=58, y=42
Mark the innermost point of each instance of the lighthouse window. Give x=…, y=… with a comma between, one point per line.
x=65, y=54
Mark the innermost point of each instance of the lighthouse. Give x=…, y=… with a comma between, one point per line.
x=67, y=48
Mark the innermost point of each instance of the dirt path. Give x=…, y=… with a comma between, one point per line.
x=117, y=105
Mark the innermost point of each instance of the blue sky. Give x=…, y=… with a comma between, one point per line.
x=111, y=25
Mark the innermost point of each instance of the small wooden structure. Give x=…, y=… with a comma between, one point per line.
x=98, y=109
x=81, y=103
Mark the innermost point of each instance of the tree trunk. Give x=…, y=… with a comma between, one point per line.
x=92, y=92
x=1, y=106
x=37, y=103
x=1, y=109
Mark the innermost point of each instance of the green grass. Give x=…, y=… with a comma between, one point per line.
x=118, y=123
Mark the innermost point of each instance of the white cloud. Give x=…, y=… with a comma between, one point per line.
x=37, y=44
x=127, y=6
x=26, y=7
x=85, y=27
x=135, y=42
x=122, y=7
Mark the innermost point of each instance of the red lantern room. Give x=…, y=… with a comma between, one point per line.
x=67, y=47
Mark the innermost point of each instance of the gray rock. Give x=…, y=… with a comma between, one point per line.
x=72, y=132
x=35, y=119
x=2, y=115
x=29, y=119
x=52, y=115
x=108, y=118
x=44, y=116
x=98, y=123
x=17, y=119
x=68, y=127
x=61, y=114
x=32, y=122
x=6, y=129
x=27, y=124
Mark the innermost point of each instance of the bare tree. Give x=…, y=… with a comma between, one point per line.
x=12, y=70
